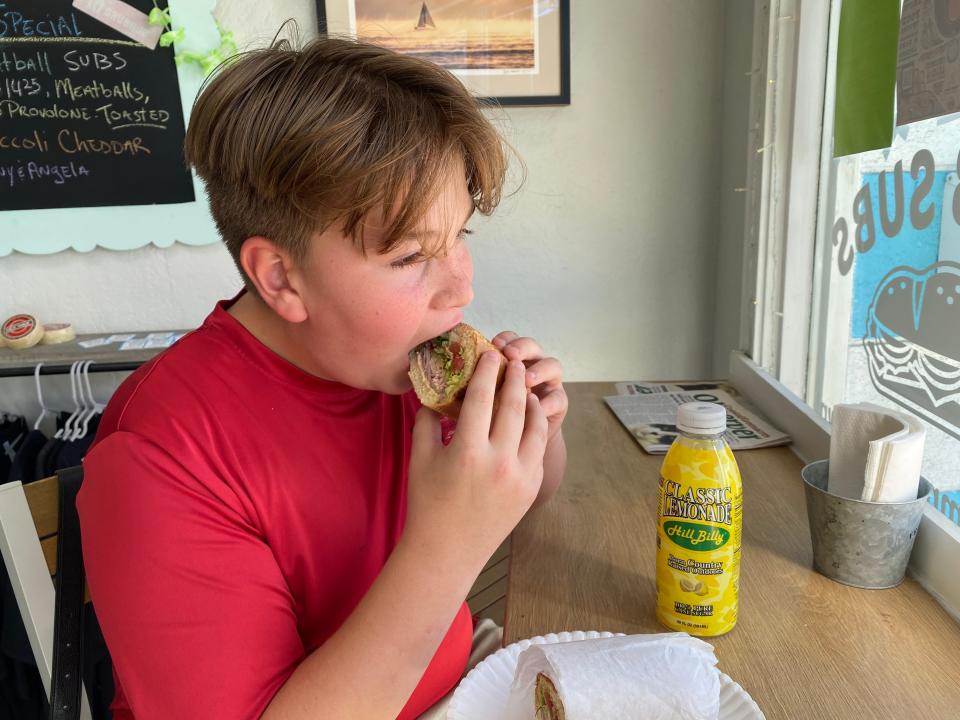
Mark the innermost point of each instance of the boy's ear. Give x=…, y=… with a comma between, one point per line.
x=270, y=268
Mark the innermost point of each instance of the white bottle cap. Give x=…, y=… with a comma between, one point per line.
x=701, y=418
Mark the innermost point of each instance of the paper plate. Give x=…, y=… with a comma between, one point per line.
x=483, y=693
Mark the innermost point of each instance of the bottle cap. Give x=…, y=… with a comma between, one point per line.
x=701, y=418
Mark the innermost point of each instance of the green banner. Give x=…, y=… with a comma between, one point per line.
x=866, y=75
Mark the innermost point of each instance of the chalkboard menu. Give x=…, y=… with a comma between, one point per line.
x=88, y=116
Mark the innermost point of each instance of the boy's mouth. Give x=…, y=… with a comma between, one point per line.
x=457, y=321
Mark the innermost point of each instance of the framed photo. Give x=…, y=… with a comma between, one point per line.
x=511, y=52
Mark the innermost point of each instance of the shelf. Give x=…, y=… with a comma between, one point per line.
x=57, y=359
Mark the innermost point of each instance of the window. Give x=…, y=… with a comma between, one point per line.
x=891, y=293
x=852, y=269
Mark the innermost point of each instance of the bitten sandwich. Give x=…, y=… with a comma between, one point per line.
x=547, y=702
x=665, y=676
x=441, y=368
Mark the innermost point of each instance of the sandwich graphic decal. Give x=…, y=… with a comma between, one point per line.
x=913, y=341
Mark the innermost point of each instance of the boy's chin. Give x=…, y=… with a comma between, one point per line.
x=399, y=384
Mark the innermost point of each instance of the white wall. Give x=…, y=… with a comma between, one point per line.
x=608, y=255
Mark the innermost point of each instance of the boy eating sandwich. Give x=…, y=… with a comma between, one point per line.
x=272, y=524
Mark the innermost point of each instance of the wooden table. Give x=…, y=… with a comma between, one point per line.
x=805, y=647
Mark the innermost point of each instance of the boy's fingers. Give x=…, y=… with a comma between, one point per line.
x=501, y=339
x=554, y=403
x=534, y=441
x=477, y=409
x=544, y=370
x=508, y=423
x=523, y=348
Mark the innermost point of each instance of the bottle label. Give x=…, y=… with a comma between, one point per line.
x=698, y=540
x=711, y=504
x=693, y=536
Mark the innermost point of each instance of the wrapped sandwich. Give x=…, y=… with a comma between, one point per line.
x=441, y=368
x=668, y=676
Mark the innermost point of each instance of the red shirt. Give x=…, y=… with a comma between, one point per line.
x=234, y=511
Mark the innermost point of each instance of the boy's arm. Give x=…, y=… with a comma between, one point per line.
x=554, y=467
x=370, y=667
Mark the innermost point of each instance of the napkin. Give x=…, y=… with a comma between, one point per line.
x=875, y=453
x=666, y=676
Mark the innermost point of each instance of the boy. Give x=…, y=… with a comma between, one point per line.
x=272, y=526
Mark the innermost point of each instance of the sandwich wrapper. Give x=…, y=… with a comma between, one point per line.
x=875, y=453
x=667, y=676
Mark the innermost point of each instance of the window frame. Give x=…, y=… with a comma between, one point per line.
x=785, y=321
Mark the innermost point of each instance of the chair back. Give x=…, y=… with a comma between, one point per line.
x=29, y=523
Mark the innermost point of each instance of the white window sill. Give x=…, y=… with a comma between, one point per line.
x=936, y=553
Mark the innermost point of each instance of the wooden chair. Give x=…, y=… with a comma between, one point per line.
x=29, y=516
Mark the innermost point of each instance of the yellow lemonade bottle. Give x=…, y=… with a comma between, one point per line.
x=699, y=512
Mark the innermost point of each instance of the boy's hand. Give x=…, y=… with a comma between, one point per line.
x=466, y=497
x=544, y=376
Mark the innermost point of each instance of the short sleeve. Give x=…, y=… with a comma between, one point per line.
x=195, y=612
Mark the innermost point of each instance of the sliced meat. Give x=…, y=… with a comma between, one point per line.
x=432, y=368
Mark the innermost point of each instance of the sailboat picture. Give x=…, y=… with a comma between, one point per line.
x=486, y=37
x=425, y=22
x=512, y=52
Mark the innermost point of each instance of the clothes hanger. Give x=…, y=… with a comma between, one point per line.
x=44, y=410
x=95, y=407
x=64, y=432
x=85, y=404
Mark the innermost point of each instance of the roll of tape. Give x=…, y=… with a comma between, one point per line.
x=21, y=331
x=54, y=333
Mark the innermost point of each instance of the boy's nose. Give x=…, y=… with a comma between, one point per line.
x=458, y=279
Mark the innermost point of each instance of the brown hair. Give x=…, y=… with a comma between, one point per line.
x=289, y=141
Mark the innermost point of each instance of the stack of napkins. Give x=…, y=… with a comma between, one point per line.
x=875, y=453
x=631, y=677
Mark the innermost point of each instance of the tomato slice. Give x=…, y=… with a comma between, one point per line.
x=456, y=361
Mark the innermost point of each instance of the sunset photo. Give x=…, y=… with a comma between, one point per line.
x=489, y=37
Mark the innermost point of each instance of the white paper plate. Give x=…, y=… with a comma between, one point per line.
x=483, y=693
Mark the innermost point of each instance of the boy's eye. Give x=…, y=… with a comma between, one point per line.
x=417, y=256
x=408, y=260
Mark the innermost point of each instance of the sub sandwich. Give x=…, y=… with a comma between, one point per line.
x=441, y=368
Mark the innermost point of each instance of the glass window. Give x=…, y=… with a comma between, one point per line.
x=889, y=329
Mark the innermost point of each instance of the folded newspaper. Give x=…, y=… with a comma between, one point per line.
x=649, y=411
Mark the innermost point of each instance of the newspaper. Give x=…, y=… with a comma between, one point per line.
x=649, y=411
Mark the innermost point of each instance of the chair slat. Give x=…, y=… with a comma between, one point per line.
x=500, y=553
x=495, y=612
x=488, y=596
x=44, y=505
x=489, y=577
x=49, y=547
